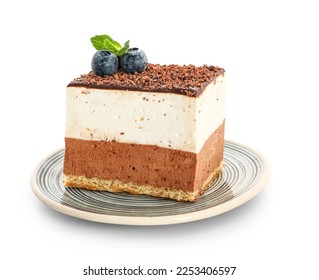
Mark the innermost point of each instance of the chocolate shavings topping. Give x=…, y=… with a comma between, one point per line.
x=189, y=80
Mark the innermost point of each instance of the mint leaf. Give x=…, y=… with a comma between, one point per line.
x=125, y=48
x=105, y=42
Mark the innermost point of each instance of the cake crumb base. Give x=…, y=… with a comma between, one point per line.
x=115, y=186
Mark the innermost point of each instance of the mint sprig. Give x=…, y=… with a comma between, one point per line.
x=105, y=42
x=125, y=48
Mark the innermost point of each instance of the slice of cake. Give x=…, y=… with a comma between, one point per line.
x=159, y=132
x=144, y=128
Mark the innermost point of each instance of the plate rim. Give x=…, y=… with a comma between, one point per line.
x=157, y=220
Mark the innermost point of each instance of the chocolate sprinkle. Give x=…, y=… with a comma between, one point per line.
x=189, y=80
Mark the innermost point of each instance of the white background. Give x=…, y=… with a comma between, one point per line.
x=270, y=52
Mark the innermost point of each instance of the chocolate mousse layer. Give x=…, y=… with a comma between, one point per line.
x=144, y=164
x=188, y=80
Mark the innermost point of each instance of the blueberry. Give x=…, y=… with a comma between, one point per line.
x=134, y=60
x=104, y=63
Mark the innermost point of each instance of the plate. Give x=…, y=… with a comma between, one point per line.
x=244, y=175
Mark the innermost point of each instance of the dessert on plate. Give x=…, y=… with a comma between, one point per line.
x=142, y=128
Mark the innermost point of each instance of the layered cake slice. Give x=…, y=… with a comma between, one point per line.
x=143, y=128
x=159, y=132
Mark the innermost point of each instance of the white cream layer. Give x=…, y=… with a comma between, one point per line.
x=164, y=119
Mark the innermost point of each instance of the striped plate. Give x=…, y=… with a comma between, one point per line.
x=244, y=175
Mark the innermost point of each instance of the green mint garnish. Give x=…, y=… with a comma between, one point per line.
x=125, y=48
x=105, y=42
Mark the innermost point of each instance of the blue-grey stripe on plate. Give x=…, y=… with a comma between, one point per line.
x=244, y=175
